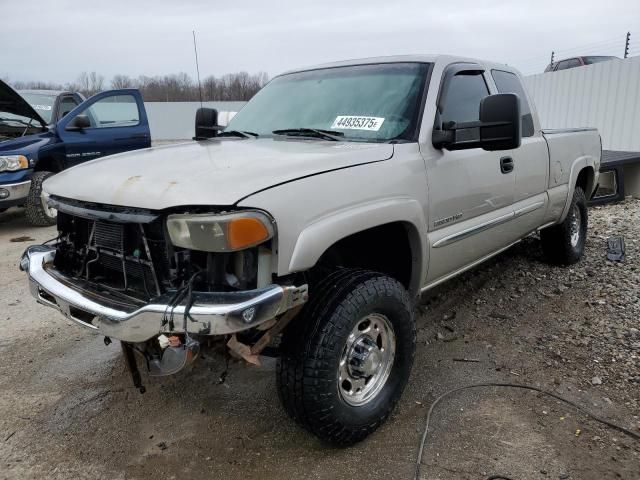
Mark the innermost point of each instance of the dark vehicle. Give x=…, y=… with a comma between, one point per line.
x=578, y=62
x=43, y=132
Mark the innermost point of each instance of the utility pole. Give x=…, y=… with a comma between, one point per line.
x=626, y=45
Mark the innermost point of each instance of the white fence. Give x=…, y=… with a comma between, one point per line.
x=604, y=95
x=176, y=120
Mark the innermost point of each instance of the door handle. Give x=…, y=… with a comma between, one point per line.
x=506, y=165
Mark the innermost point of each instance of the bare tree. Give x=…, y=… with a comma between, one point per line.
x=36, y=85
x=90, y=83
x=122, y=81
x=177, y=87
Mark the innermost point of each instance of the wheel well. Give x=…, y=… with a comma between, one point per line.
x=47, y=164
x=585, y=181
x=386, y=248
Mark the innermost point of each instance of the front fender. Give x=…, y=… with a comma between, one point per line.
x=317, y=237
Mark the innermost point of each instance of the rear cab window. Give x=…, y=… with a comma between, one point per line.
x=67, y=103
x=508, y=82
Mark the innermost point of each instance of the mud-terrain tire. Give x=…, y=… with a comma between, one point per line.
x=358, y=327
x=563, y=244
x=38, y=214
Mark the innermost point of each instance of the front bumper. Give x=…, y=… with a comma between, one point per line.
x=212, y=313
x=13, y=194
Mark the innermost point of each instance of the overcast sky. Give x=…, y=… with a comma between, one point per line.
x=56, y=40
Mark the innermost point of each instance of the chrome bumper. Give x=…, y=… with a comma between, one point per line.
x=212, y=313
x=14, y=193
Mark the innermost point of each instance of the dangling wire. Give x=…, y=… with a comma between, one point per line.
x=185, y=291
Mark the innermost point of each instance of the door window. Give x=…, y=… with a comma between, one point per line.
x=114, y=111
x=462, y=103
x=507, y=82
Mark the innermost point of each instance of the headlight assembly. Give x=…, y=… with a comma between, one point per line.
x=220, y=233
x=13, y=162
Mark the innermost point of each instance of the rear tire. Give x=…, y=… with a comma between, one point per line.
x=563, y=244
x=38, y=213
x=347, y=359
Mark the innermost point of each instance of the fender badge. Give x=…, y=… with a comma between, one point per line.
x=452, y=218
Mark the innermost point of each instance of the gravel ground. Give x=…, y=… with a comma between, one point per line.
x=68, y=410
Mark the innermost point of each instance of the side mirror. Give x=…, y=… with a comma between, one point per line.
x=80, y=122
x=499, y=127
x=206, y=124
x=501, y=122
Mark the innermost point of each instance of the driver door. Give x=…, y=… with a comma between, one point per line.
x=470, y=191
x=118, y=123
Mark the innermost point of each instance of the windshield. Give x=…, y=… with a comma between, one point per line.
x=43, y=104
x=374, y=103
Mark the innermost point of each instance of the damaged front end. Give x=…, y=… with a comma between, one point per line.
x=161, y=282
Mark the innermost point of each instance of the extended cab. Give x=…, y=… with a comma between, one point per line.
x=43, y=132
x=308, y=227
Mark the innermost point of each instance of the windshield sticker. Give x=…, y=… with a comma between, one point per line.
x=42, y=107
x=349, y=122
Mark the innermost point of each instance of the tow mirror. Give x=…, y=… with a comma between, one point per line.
x=498, y=128
x=206, y=124
x=80, y=122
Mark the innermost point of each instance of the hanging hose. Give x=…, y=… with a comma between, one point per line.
x=604, y=421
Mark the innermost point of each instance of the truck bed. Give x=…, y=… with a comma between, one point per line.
x=565, y=147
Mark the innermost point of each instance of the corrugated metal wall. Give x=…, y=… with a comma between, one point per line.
x=176, y=120
x=605, y=95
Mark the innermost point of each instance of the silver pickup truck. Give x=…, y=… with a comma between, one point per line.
x=309, y=226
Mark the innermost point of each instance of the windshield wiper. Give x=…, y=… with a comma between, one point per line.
x=238, y=133
x=17, y=120
x=311, y=132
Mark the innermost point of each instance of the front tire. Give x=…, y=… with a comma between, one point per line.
x=564, y=243
x=346, y=361
x=38, y=213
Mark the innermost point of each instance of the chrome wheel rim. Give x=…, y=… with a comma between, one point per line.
x=367, y=359
x=575, y=223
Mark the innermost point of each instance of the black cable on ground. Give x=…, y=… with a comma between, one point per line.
x=604, y=421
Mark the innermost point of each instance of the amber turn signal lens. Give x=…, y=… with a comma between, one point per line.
x=246, y=232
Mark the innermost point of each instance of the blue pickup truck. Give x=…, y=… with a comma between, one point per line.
x=44, y=132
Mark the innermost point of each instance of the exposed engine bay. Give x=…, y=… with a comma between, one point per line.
x=9, y=132
x=126, y=255
x=136, y=261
